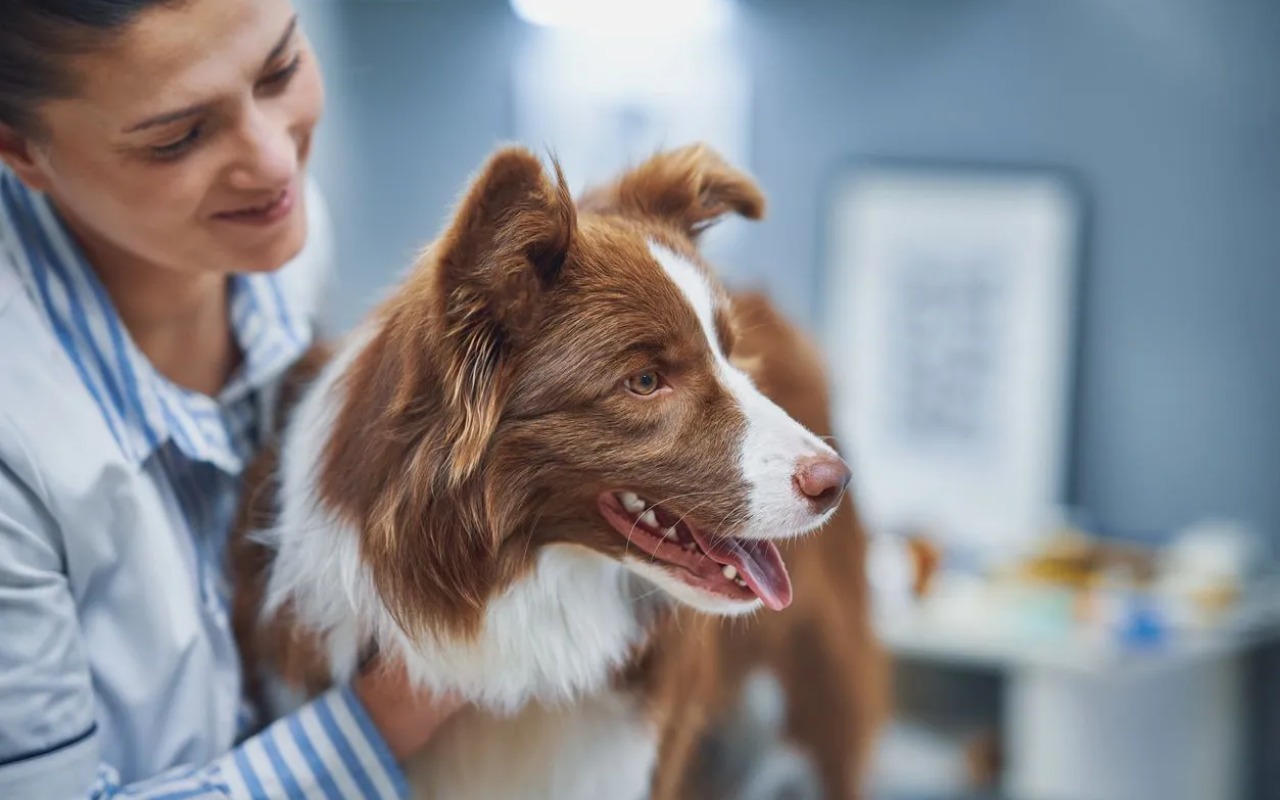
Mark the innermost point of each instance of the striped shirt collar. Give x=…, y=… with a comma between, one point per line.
x=142, y=408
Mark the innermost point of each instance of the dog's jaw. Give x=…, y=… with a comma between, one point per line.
x=578, y=605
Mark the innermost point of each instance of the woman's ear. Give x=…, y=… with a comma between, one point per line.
x=19, y=154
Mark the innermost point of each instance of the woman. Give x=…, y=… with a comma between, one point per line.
x=160, y=266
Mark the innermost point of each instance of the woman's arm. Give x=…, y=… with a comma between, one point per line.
x=50, y=745
x=328, y=748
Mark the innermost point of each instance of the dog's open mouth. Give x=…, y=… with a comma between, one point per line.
x=740, y=569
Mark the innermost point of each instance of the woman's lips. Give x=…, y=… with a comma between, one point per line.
x=266, y=213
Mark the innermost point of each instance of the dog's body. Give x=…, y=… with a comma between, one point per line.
x=462, y=486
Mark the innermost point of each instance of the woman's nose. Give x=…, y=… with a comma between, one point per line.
x=269, y=155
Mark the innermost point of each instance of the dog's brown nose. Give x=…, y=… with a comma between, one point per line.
x=821, y=480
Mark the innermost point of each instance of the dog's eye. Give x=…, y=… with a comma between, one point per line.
x=644, y=383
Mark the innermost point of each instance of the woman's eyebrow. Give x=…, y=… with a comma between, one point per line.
x=166, y=118
x=191, y=111
x=283, y=43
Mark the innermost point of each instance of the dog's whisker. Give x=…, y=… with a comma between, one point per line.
x=655, y=590
x=694, y=508
x=714, y=534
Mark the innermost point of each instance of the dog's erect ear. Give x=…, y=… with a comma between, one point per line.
x=507, y=241
x=691, y=188
x=503, y=249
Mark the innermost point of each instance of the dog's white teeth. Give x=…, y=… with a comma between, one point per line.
x=730, y=571
x=631, y=502
x=688, y=546
x=740, y=582
x=670, y=533
x=649, y=518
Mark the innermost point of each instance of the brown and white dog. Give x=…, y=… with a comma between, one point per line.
x=509, y=476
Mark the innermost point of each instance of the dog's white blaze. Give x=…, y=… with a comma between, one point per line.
x=774, y=442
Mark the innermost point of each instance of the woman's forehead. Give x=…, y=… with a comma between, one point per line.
x=176, y=56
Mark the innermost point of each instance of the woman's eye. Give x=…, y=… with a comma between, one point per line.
x=644, y=383
x=174, y=149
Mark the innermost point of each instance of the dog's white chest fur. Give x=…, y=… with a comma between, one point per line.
x=598, y=747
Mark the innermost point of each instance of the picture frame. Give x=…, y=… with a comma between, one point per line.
x=950, y=315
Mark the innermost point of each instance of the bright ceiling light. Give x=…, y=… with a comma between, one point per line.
x=625, y=16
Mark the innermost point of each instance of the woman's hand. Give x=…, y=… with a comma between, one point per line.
x=406, y=717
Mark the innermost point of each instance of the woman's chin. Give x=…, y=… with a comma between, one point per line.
x=264, y=253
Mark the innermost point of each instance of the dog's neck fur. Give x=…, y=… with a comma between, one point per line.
x=560, y=631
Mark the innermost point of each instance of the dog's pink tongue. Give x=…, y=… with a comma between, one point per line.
x=758, y=562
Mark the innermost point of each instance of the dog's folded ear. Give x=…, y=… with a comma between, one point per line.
x=691, y=187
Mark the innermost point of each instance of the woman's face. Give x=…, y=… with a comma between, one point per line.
x=186, y=142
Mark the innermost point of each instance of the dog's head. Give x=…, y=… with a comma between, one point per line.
x=562, y=373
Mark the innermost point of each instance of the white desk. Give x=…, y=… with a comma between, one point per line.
x=1085, y=720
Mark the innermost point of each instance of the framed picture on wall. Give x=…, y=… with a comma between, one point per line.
x=950, y=308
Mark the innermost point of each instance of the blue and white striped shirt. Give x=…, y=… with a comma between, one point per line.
x=119, y=674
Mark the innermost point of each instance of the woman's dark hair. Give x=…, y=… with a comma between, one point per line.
x=36, y=38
